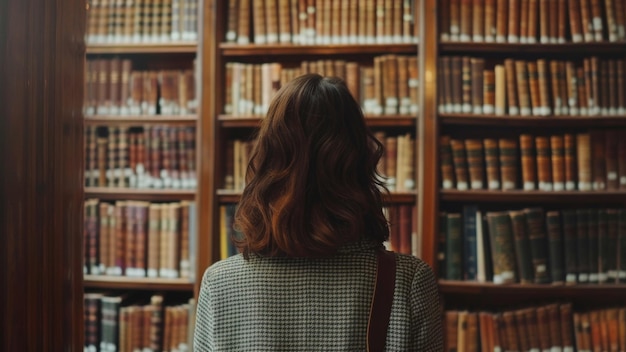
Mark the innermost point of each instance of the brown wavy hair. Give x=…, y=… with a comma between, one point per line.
x=312, y=183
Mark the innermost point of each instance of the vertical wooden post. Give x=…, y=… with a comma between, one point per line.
x=41, y=184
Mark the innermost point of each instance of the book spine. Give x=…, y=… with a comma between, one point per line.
x=466, y=85
x=556, y=245
x=492, y=163
x=527, y=149
x=502, y=247
x=470, y=251
x=593, y=246
x=583, y=153
x=454, y=247
x=478, y=22
x=544, y=170
x=514, y=22
x=538, y=244
x=582, y=226
x=522, y=246
x=508, y=163
x=613, y=246
x=501, y=20
x=475, y=162
x=603, y=245
x=460, y=164
x=558, y=162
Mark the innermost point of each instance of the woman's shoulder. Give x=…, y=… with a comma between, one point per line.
x=223, y=268
x=412, y=266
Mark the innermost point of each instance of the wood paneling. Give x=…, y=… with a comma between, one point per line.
x=41, y=144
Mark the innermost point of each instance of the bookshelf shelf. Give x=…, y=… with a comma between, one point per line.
x=227, y=121
x=536, y=291
x=139, y=194
x=483, y=196
x=131, y=283
x=180, y=120
x=143, y=48
x=229, y=196
x=599, y=48
x=233, y=50
x=547, y=121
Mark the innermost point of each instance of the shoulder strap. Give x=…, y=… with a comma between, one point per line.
x=380, y=309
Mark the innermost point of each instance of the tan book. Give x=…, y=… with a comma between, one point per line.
x=492, y=163
x=598, y=164
x=490, y=21
x=154, y=240
x=446, y=162
x=514, y=22
x=334, y=16
x=259, y=22
x=410, y=18
x=583, y=158
x=478, y=22
x=456, y=65
x=404, y=95
x=466, y=84
x=553, y=20
x=451, y=341
x=620, y=19
x=377, y=102
x=285, y=29
x=575, y=24
x=555, y=85
x=501, y=21
x=500, y=90
x=523, y=94
x=271, y=20
x=583, y=99
x=510, y=73
x=390, y=85
x=562, y=18
x=455, y=20
x=512, y=339
x=489, y=91
x=231, y=22
x=401, y=147
x=522, y=330
x=465, y=7
x=528, y=159
x=391, y=154
x=508, y=163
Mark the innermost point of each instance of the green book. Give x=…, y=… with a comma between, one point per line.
x=535, y=223
x=454, y=247
x=502, y=247
x=522, y=246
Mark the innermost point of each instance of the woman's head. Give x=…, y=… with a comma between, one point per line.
x=311, y=180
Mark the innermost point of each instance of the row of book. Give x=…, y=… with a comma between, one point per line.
x=532, y=87
x=122, y=323
x=533, y=21
x=533, y=246
x=389, y=86
x=140, y=157
x=140, y=239
x=552, y=327
x=396, y=166
x=113, y=87
x=322, y=21
x=582, y=161
x=402, y=235
x=141, y=21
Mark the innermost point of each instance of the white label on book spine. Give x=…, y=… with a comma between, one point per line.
x=488, y=109
x=577, y=38
x=513, y=38
x=466, y=108
x=583, y=277
x=556, y=349
x=477, y=38
x=602, y=277
x=477, y=184
x=524, y=111
x=153, y=273
x=461, y=186
x=508, y=185
x=593, y=277
x=568, y=349
x=534, y=350
x=454, y=30
x=622, y=180
x=529, y=186
x=532, y=40
x=559, y=186
x=611, y=176
x=477, y=109
x=545, y=186
x=447, y=184
x=584, y=186
x=570, y=278
x=500, y=39
x=494, y=185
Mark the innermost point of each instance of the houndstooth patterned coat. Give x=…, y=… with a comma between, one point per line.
x=298, y=304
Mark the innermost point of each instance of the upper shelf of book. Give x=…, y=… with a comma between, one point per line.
x=134, y=120
x=231, y=49
x=186, y=47
x=535, y=49
x=125, y=283
x=231, y=196
x=372, y=121
x=139, y=193
x=543, y=121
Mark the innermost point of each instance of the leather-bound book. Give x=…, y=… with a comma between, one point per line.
x=489, y=92
x=544, y=169
x=575, y=24
x=441, y=245
x=460, y=164
x=444, y=20
x=492, y=163
x=105, y=211
x=570, y=249
x=485, y=332
x=622, y=326
x=445, y=80
x=477, y=67
x=604, y=92
x=457, y=83
x=271, y=20
x=544, y=93
x=478, y=22
x=555, y=87
x=510, y=330
x=502, y=247
x=611, y=87
x=582, y=234
x=510, y=74
x=603, y=245
x=566, y=324
x=231, y=22
x=501, y=20
x=593, y=245
x=523, y=21
x=586, y=21
x=555, y=246
x=471, y=335
x=508, y=163
x=522, y=246
x=447, y=166
x=528, y=158
x=621, y=160
x=554, y=325
x=131, y=244
x=455, y=20
x=583, y=154
x=598, y=161
x=535, y=224
x=470, y=242
x=522, y=330
x=284, y=21
x=569, y=154
x=530, y=315
x=454, y=247
x=571, y=88
x=553, y=20
x=533, y=85
x=490, y=21
x=563, y=84
x=141, y=229
x=523, y=92
x=583, y=96
x=391, y=155
x=597, y=20
x=543, y=327
x=154, y=239
x=413, y=84
x=557, y=162
x=620, y=22
x=533, y=22
x=475, y=162
x=466, y=85
x=514, y=22
x=615, y=244
x=561, y=21
x=451, y=341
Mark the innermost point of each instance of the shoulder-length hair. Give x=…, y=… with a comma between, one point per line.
x=312, y=181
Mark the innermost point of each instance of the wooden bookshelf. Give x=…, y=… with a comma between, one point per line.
x=538, y=197
x=182, y=120
x=111, y=193
x=237, y=50
x=531, y=121
x=230, y=196
x=227, y=121
x=143, y=48
x=132, y=283
x=601, y=48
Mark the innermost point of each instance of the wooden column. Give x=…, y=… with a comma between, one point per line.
x=41, y=182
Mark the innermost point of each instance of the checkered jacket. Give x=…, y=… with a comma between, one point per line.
x=298, y=304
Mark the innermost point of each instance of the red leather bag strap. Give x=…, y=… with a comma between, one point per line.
x=380, y=309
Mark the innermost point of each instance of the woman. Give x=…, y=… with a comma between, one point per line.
x=312, y=220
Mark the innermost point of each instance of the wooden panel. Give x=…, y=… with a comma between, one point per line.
x=532, y=121
x=143, y=48
x=485, y=196
x=229, y=49
x=139, y=193
x=141, y=120
x=41, y=143
x=230, y=196
x=534, y=49
x=227, y=121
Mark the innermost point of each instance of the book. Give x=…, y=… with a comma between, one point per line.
x=502, y=247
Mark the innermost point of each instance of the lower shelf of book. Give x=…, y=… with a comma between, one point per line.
x=139, y=193
x=616, y=196
x=132, y=283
